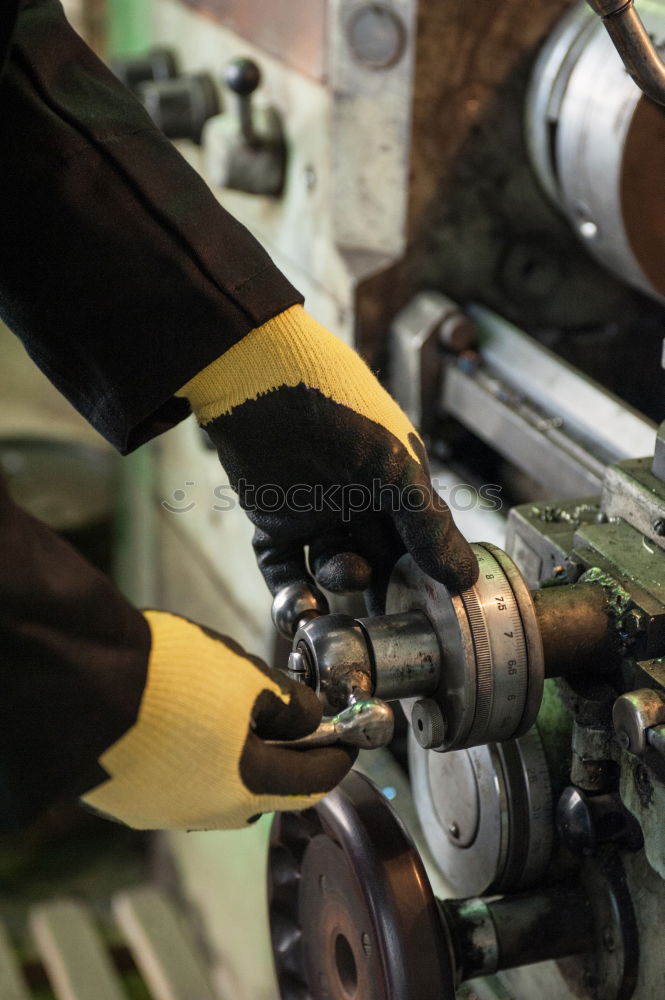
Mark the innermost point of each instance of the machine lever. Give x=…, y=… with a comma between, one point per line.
x=367, y=724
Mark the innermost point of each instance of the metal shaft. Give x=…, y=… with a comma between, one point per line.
x=637, y=51
x=491, y=935
x=576, y=628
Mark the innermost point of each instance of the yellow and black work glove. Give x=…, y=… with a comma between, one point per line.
x=321, y=456
x=197, y=756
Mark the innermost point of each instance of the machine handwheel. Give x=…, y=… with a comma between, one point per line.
x=352, y=913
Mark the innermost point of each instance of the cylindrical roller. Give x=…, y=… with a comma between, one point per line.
x=406, y=659
x=391, y=657
x=491, y=673
x=576, y=629
x=481, y=656
x=597, y=142
x=494, y=934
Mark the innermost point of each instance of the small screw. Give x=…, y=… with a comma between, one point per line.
x=453, y=830
x=659, y=527
x=366, y=943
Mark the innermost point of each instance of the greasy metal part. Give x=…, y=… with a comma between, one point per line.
x=633, y=492
x=576, y=628
x=492, y=639
x=636, y=48
x=633, y=715
x=406, y=658
x=367, y=724
x=337, y=663
x=596, y=141
x=427, y=323
x=593, y=766
x=609, y=970
x=391, y=657
x=491, y=686
x=585, y=821
x=541, y=413
x=294, y=604
x=486, y=813
x=517, y=930
x=352, y=913
x=539, y=537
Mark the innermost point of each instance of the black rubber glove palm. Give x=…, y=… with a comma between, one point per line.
x=322, y=457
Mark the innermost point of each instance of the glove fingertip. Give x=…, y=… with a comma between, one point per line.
x=274, y=718
x=344, y=573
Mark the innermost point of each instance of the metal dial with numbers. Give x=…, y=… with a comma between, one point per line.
x=492, y=669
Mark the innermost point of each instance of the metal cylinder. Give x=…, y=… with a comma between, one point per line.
x=391, y=657
x=491, y=935
x=405, y=653
x=576, y=628
x=597, y=142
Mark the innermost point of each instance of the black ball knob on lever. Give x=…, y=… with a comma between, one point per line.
x=243, y=76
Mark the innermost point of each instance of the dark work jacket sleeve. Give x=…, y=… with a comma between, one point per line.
x=119, y=270
x=73, y=661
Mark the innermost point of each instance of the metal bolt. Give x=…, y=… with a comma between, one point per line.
x=453, y=830
x=376, y=36
x=428, y=723
x=659, y=526
x=366, y=943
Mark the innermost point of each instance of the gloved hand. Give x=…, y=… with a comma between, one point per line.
x=321, y=456
x=196, y=757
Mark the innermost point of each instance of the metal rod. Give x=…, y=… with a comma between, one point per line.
x=490, y=935
x=638, y=53
x=576, y=628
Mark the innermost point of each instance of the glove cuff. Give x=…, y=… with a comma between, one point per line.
x=289, y=350
x=183, y=751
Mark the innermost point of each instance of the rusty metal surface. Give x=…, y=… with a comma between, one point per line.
x=291, y=30
x=642, y=192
